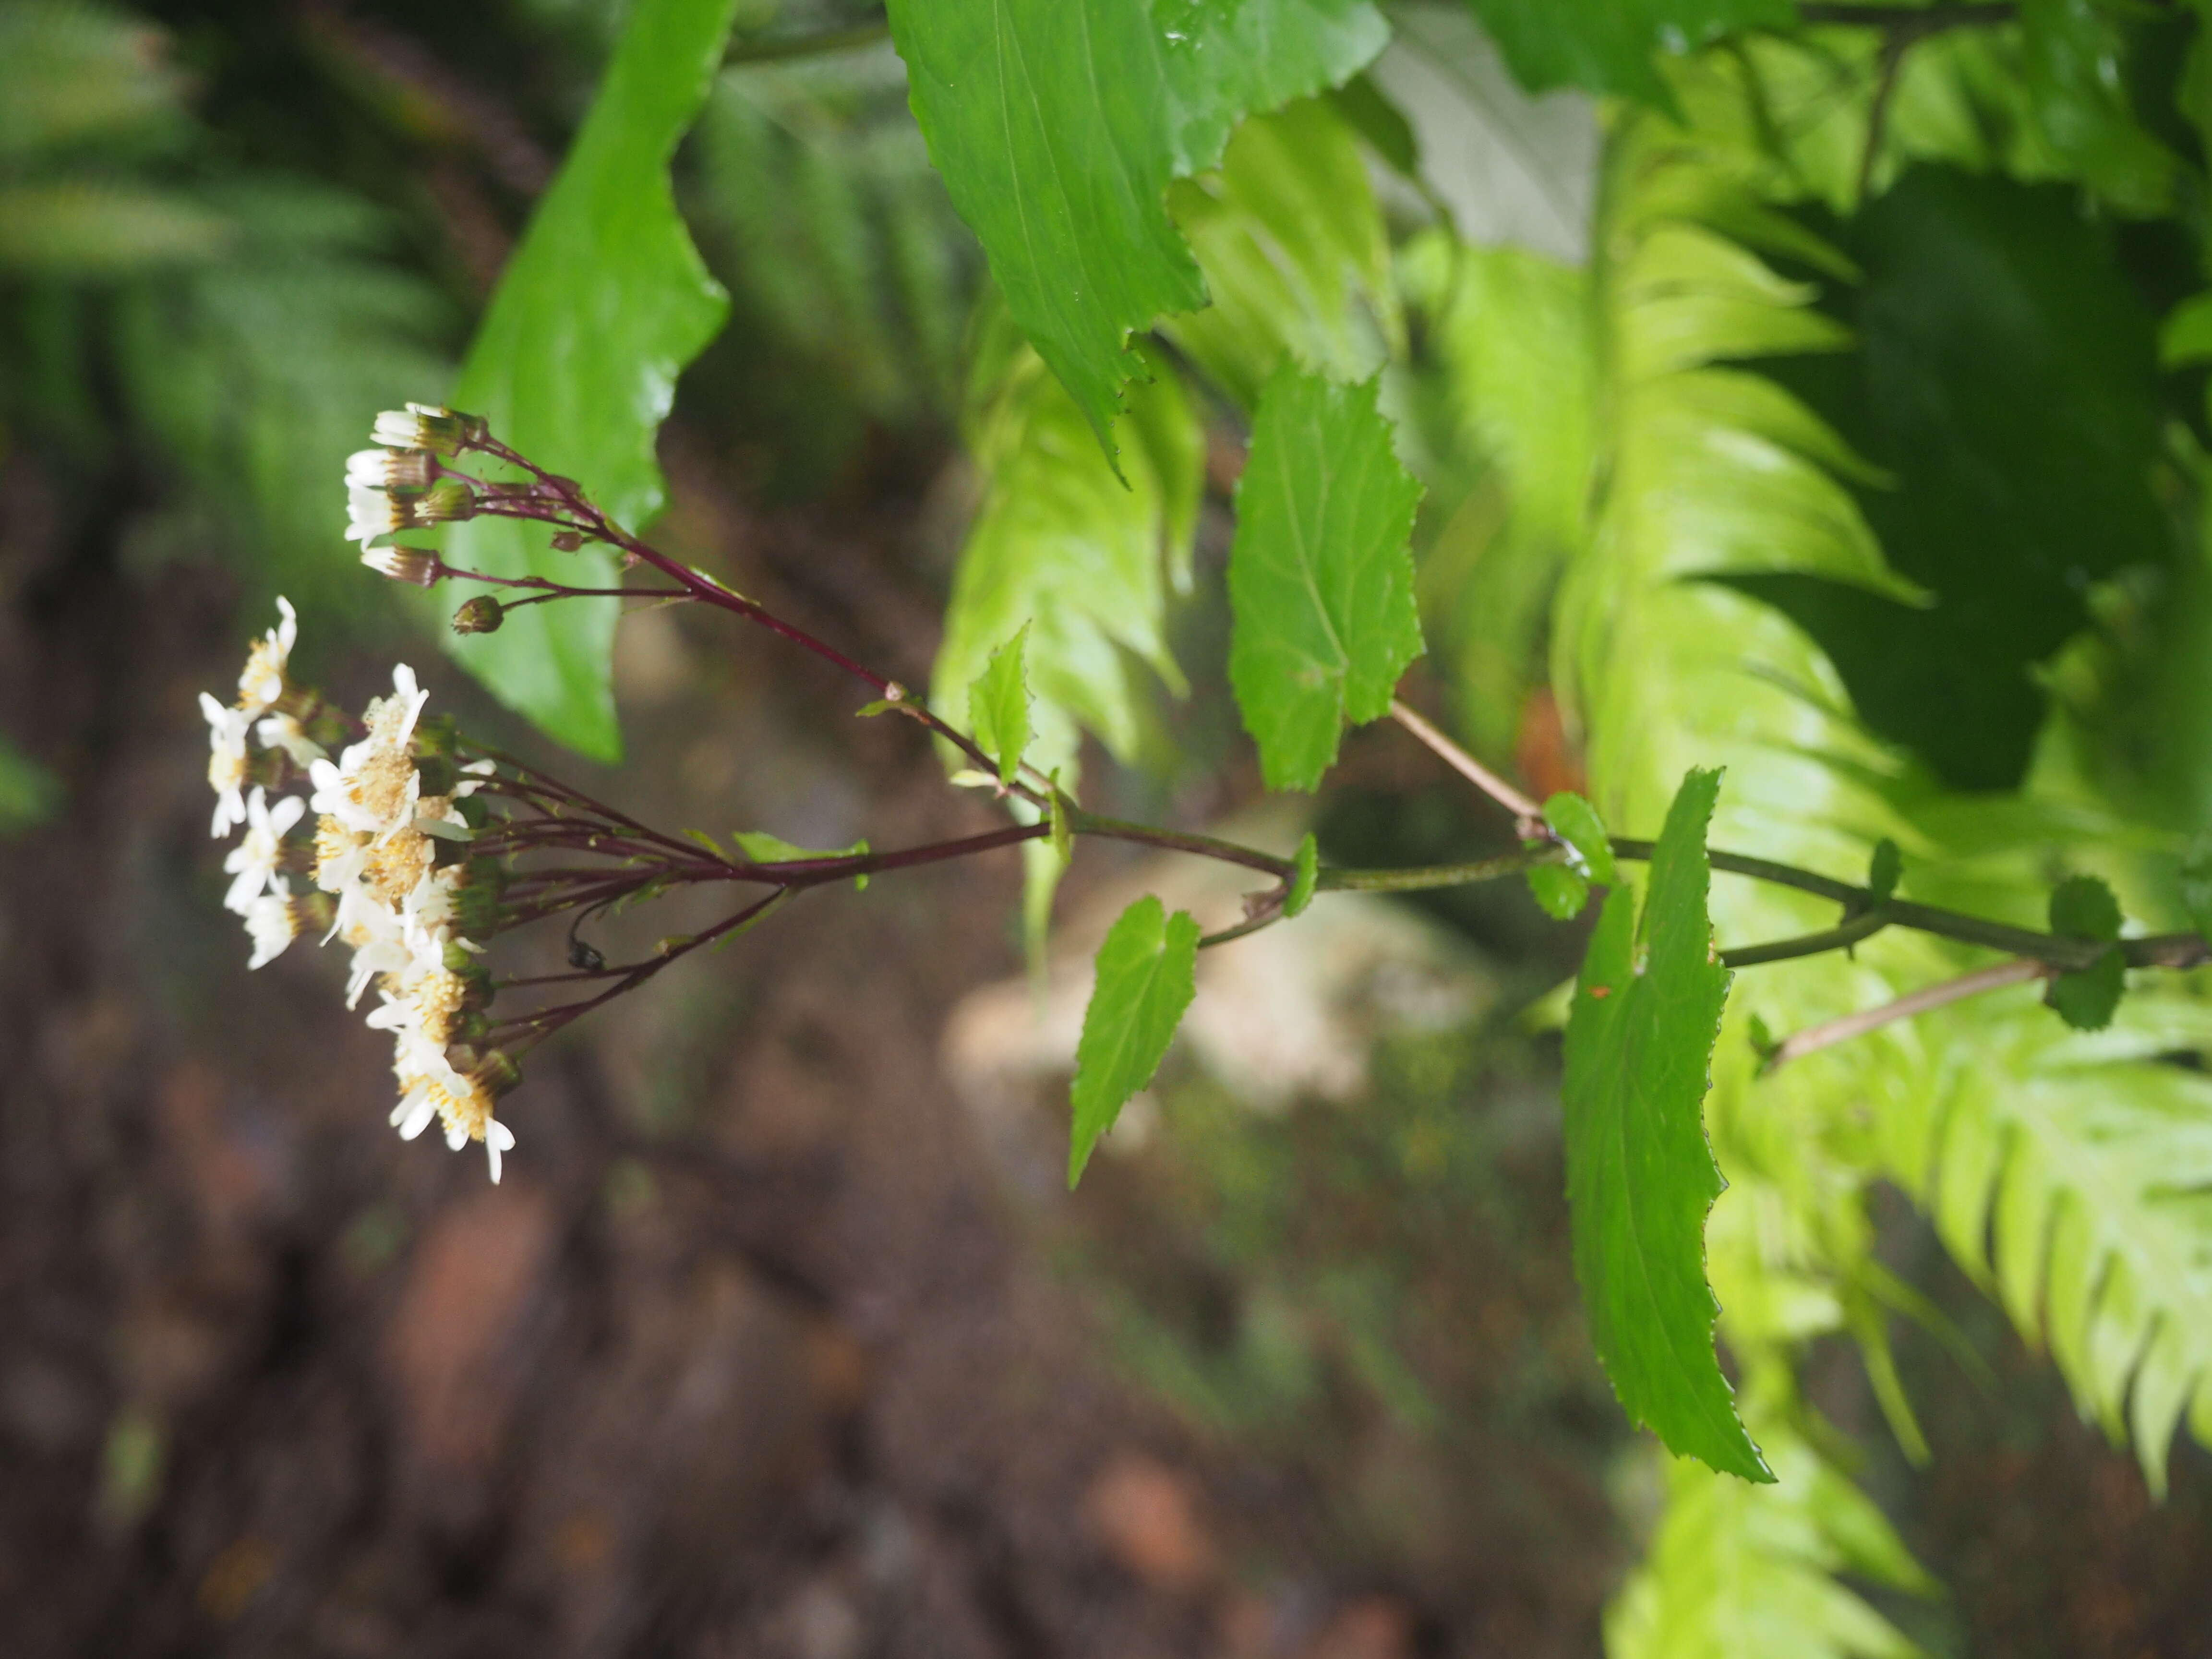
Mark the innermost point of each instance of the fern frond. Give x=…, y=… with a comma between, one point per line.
x=1737, y=1572
x=2072, y=1175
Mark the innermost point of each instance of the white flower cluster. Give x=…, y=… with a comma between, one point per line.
x=401, y=485
x=375, y=853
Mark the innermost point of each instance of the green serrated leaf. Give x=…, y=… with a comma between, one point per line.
x=1147, y=969
x=1057, y=129
x=1575, y=821
x=1612, y=46
x=1321, y=580
x=999, y=705
x=2083, y=907
x=1640, y=1176
x=1307, y=860
x=1559, y=892
x=1884, y=870
x=773, y=849
x=575, y=364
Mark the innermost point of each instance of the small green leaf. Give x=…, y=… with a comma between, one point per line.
x=1764, y=1043
x=2082, y=907
x=1575, y=821
x=999, y=705
x=1308, y=860
x=1640, y=1176
x=602, y=304
x=1884, y=869
x=1321, y=580
x=759, y=848
x=1057, y=128
x=1148, y=970
x=2086, y=997
x=1560, y=892
x=2197, y=886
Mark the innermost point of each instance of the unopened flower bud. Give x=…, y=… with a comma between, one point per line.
x=480, y=615
x=428, y=426
x=418, y=565
x=568, y=541
x=391, y=469
x=442, y=502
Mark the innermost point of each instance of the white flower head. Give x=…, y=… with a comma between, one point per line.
x=372, y=788
x=462, y=1102
x=262, y=685
x=389, y=468
x=372, y=931
x=427, y=426
x=226, y=729
x=253, y=861
x=417, y=565
x=284, y=731
x=373, y=513
x=271, y=923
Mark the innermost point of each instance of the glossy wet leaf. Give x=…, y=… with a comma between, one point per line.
x=597, y=311
x=1575, y=821
x=1321, y=579
x=1640, y=1176
x=1146, y=978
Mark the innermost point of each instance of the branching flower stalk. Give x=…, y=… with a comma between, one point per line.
x=418, y=847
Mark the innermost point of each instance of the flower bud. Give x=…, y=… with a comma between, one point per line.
x=418, y=565
x=444, y=501
x=428, y=426
x=480, y=615
x=568, y=541
x=391, y=469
